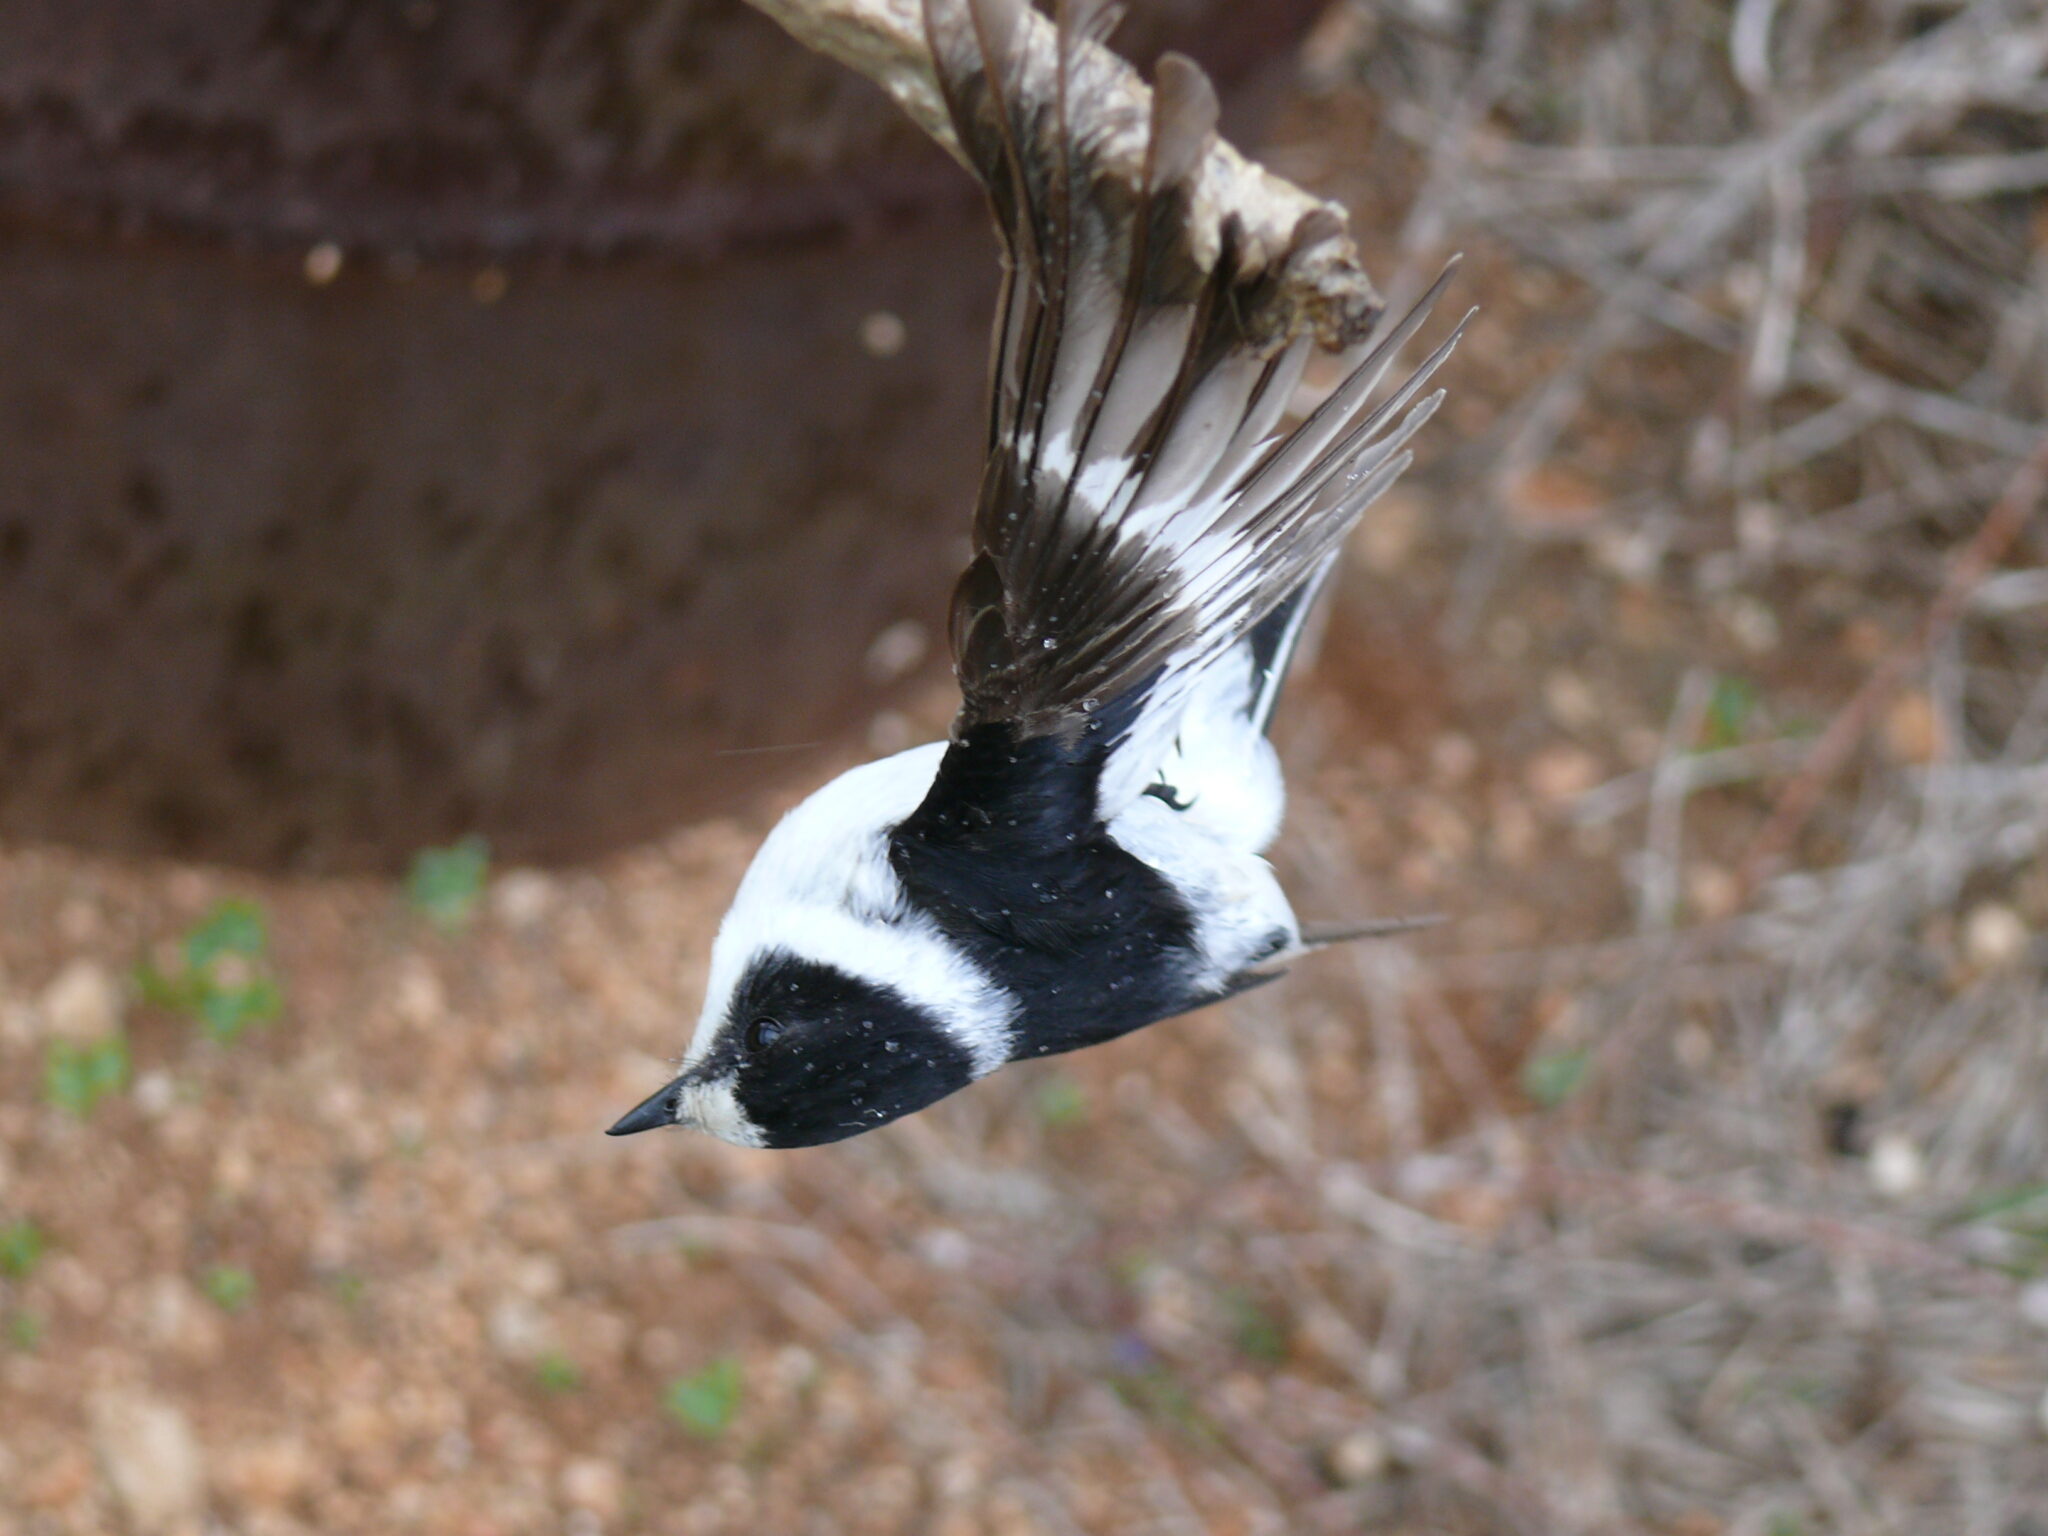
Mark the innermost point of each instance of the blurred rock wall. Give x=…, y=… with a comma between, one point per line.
x=419, y=418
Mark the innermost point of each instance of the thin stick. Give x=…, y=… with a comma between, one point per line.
x=1657, y=900
x=1662, y=1199
x=1799, y=799
x=1324, y=289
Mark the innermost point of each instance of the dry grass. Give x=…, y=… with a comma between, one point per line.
x=1774, y=1267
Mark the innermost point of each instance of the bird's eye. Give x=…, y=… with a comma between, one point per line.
x=761, y=1034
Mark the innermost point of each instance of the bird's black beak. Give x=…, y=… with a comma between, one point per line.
x=651, y=1113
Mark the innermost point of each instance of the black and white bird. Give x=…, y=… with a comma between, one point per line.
x=1083, y=856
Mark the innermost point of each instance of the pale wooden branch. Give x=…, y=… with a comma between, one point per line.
x=1327, y=292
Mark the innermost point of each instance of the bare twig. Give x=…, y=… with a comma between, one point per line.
x=1664, y=1200
x=1800, y=798
x=1326, y=287
x=1657, y=899
x=1686, y=776
x=1921, y=77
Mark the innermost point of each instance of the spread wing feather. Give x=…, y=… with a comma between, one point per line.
x=1138, y=513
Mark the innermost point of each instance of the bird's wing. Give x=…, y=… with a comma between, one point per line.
x=1138, y=512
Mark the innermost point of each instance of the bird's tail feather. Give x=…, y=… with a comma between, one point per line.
x=1316, y=936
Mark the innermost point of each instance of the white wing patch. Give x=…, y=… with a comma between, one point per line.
x=1221, y=765
x=1236, y=898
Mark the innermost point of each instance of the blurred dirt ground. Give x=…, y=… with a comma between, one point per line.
x=1692, y=1179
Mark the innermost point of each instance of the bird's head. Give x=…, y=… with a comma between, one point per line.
x=831, y=1007
x=805, y=1053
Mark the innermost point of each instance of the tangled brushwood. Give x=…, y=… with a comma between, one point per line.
x=1778, y=1261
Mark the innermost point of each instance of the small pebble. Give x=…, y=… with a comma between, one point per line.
x=518, y=1329
x=947, y=1248
x=1994, y=936
x=1864, y=640
x=889, y=732
x=2034, y=1304
x=176, y=1317
x=323, y=263
x=590, y=1484
x=150, y=1459
x=1912, y=729
x=1897, y=1168
x=154, y=1092
x=883, y=334
x=60, y=1482
x=1508, y=638
x=1453, y=757
x=1570, y=700
x=1713, y=891
x=521, y=898
x=896, y=651
x=269, y=1473
x=1693, y=1045
x=1631, y=554
x=1553, y=498
x=80, y=921
x=1562, y=773
x=82, y=1003
x=1360, y=1457
x=1758, y=529
x=418, y=997
x=1754, y=626
x=1169, y=1308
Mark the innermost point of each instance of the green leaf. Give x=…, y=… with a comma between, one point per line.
x=21, y=1249
x=2002, y=1202
x=1131, y=1266
x=1061, y=1102
x=226, y=985
x=174, y=994
x=77, y=1077
x=1260, y=1334
x=1551, y=1077
x=231, y=928
x=1155, y=1390
x=556, y=1372
x=229, y=1287
x=225, y=1011
x=1729, y=708
x=704, y=1403
x=445, y=884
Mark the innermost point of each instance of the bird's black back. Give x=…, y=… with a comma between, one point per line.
x=1008, y=855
